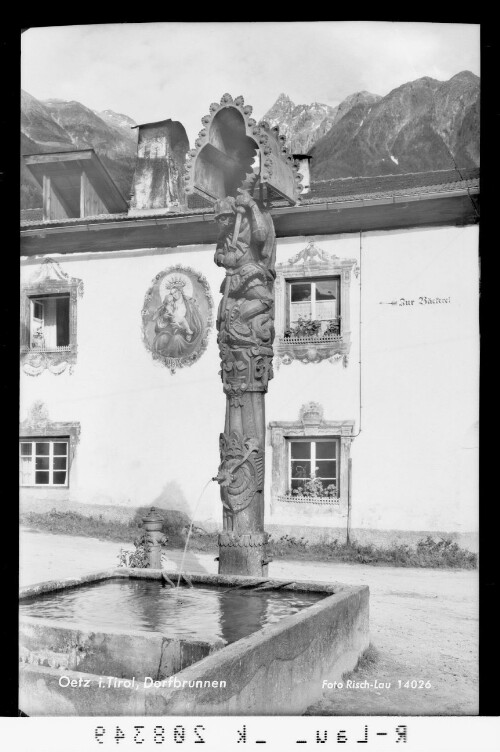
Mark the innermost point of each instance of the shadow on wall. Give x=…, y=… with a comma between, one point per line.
x=174, y=508
x=172, y=497
x=171, y=503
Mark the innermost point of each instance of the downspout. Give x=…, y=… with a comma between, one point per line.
x=349, y=487
x=349, y=464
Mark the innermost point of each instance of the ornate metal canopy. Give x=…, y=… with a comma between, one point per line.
x=234, y=151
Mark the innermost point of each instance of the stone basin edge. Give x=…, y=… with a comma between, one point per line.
x=279, y=666
x=50, y=586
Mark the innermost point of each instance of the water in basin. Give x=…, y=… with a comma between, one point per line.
x=199, y=613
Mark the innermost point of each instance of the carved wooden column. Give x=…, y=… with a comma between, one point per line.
x=240, y=166
x=246, y=249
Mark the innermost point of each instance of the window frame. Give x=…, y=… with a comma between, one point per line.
x=312, y=281
x=35, y=300
x=311, y=426
x=38, y=426
x=313, y=264
x=313, y=441
x=49, y=281
x=51, y=440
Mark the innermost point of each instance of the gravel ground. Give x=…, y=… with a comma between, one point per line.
x=423, y=622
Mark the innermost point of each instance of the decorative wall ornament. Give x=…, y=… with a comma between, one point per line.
x=310, y=424
x=177, y=316
x=38, y=415
x=36, y=357
x=38, y=423
x=311, y=254
x=34, y=363
x=313, y=262
x=50, y=275
x=311, y=413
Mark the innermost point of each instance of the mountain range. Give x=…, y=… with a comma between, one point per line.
x=422, y=125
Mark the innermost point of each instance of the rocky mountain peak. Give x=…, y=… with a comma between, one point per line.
x=283, y=98
x=280, y=111
x=466, y=76
x=117, y=119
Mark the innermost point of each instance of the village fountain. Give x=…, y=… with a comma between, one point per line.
x=255, y=645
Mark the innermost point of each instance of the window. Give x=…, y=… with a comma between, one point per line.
x=44, y=461
x=312, y=310
x=46, y=449
x=314, y=467
x=310, y=466
x=315, y=300
x=49, y=322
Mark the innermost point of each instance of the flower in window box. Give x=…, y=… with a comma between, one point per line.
x=303, y=328
x=314, y=487
x=38, y=338
x=333, y=327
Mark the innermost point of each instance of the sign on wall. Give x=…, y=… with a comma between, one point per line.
x=177, y=317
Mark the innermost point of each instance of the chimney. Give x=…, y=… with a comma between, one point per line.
x=158, y=183
x=303, y=161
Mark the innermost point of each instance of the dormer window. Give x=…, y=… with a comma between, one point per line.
x=75, y=184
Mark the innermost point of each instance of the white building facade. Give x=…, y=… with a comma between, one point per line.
x=371, y=418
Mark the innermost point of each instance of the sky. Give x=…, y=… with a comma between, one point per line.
x=156, y=71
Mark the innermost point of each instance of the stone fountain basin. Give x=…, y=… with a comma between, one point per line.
x=278, y=670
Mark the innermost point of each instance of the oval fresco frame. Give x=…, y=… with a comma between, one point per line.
x=177, y=316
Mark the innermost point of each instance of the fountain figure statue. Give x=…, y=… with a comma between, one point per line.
x=246, y=248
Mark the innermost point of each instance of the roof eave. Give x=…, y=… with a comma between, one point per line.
x=329, y=217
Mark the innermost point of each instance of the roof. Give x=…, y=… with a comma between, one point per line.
x=155, y=123
x=31, y=215
x=66, y=167
x=341, y=191
x=384, y=185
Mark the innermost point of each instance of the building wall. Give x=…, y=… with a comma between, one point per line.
x=148, y=436
x=420, y=367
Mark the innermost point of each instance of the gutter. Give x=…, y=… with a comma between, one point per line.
x=171, y=221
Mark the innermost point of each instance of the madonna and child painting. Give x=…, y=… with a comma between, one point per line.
x=177, y=316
